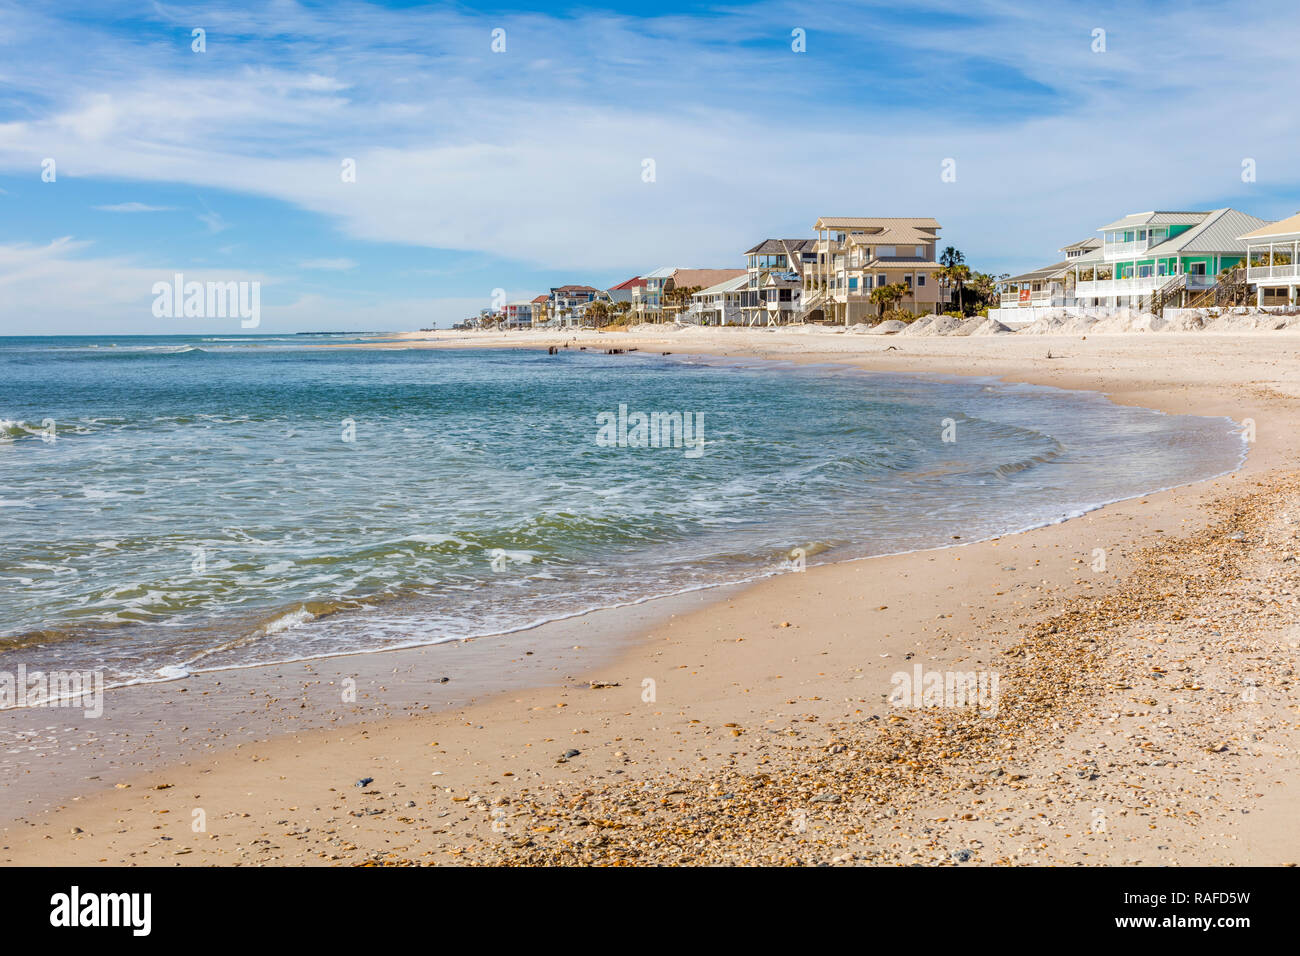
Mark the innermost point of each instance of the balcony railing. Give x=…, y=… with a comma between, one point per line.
x=1143, y=285
x=1103, y=287
x=1011, y=300
x=1124, y=250
x=1290, y=271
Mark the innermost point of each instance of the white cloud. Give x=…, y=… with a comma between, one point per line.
x=538, y=158
x=59, y=288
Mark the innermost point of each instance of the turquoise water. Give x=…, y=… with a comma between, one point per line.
x=224, y=501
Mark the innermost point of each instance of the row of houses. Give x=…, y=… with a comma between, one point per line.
x=1143, y=260
x=1159, y=258
x=828, y=278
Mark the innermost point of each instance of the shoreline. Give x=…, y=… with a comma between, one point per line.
x=182, y=670
x=763, y=600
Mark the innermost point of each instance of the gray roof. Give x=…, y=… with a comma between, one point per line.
x=1092, y=255
x=1217, y=233
x=730, y=285
x=1156, y=218
x=1046, y=272
x=780, y=246
x=1092, y=242
x=781, y=280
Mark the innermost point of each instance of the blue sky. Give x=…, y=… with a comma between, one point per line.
x=522, y=169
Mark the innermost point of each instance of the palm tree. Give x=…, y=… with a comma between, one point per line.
x=960, y=275
x=598, y=313
x=952, y=257
x=944, y=276
x=680, y=297
x=886, y=295
x=985, y=287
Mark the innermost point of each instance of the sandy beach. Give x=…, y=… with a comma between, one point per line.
x=1144, y=652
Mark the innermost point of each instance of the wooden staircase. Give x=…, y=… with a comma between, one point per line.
x=1230, y=291
x=1168, y=294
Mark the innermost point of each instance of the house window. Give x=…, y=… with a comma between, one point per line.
x=1144, y=272
x=920, y=279
x=853, y=283
x=908, y=280
x=882, y=279
x=1196, y=268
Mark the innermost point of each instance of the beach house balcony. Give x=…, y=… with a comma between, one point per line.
x=1273, y=275
x=1028, y=299
x=1141, y=285
x=1274, y=263
x=1124, y=250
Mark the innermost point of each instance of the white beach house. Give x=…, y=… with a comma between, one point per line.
x=721, y=304
x=1273, y=261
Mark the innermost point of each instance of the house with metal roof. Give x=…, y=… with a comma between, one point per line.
x=1273, y=261
x=1050, y=286
x=1153, y=256
x=648, y=299
x=1143, y=260
x=720, y=304
x=623, y=291
x=656, y=301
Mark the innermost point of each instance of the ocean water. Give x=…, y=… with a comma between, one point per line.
x=214, y=502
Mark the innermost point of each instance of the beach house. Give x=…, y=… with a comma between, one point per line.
x=720, y=304
x=518, y=315
x=1047, y=286
x=855, y=255
x=569, y=302
x=667, y=292
x=1144, y=260
x=540, y=305
x=1273, y=261
x=623, y=292
x=648, y=299
x=774, y=271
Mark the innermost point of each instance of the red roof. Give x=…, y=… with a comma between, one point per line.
x=541, y=298
x=636, y=282
x=576, y=288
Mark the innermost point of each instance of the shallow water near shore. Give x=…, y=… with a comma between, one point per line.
x=229, y=501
